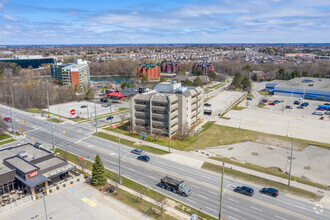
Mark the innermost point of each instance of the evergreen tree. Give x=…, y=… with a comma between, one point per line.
x=198, y=82
x=98, y=175
x=197, y=72
x=246, y=83
x=89, y=94
x=304, y=74
x=212, y=74
x=188, y=83
x=237, y=80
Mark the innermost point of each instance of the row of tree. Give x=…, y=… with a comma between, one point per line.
x=242, y=82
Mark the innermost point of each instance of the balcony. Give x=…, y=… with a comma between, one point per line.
x=141, y=114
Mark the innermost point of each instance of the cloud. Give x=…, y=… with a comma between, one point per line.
x=9, y=18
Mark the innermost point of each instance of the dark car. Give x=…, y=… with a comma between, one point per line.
x=272, y=103
x=244, y=190
x=262, y=103
x=296, y=103
x=322, y=118
x=110, y=117
x=249, y=98
x=328, y=104
x=301, y=106
x=7, y=119
x=305, y=104
x=137, y=151
x=144, y=158
x=207, y=104
x=277, y=101
x=269, y=191
x=320, y=109
x=288, y=107
x=83, y=106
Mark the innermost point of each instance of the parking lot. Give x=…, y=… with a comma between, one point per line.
x=84, y=107
x=77, y=203
x=276, y=119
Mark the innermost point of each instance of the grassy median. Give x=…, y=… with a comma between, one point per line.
x=262, y=182
x=131, y=143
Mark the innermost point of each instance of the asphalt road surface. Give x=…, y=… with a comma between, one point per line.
x=205, y=185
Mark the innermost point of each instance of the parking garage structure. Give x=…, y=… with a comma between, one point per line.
x=30, y=169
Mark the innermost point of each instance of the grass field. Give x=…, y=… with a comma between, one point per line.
x=3, y=138
x=262, y=182
x=264, y=92
x=270, y=171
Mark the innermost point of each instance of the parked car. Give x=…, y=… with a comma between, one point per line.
x=322, y=118
x=83, y=106
x=262, y=103
x=296, y=102
x=265, y=100
x=301, y=106
x=288, y=107
x=305, y=104
x=110, y=117
x=328, y=104
x=272, y=103
x=277, y=101
x=7, y=119
x=244, y=190
x=207, y=104
x=137, y=151
x=249, y=98
x=144, y=158
x=269, y=191
x=320, y=109
x=318, y=113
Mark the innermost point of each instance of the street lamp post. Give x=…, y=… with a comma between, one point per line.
x=95, y=117
x=11, y=115
x=221, y=192
x=198, y=130
x=119, y=157
x=45, y=207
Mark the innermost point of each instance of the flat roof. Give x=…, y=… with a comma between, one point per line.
x=49, y=163
x=30, y=149
x=21, y=164
x=318, y=83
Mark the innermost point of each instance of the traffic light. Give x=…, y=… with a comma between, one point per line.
x=140, y=90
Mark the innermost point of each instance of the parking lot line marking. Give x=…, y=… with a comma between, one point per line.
x=85, y=199
x=91, y=203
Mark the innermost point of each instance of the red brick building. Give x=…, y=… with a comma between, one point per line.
x=171, y=67
x=152, y=71
x=206, y=67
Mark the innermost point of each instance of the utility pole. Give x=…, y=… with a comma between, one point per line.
x=51, y=124
x=169, y=125
x=87, y=113
x=45, y=207
x=221, y=193
x=11, y=114
x=59, y=112
x=291, y=158
x=111, y=112
x=119, y=157
x=95, y=116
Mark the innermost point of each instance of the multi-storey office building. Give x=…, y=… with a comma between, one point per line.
x=168, y=108
x=72, y=74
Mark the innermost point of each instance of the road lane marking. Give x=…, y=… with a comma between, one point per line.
x=233, y=200
x=195, y=186
x=233, y=208
x=300, y=207
x=213, y=193
x=211, y=209
x=211, y=186
x=192, y=201
x=280, y=217
x=202, y=196
x=232, y=217
x=252, y=207
x=151, y=177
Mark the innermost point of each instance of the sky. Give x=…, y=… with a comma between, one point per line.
x=24, y=22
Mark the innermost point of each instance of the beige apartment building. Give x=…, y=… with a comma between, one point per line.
x=168, y=108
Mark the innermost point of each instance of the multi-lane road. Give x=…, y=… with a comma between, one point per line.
x=205, y=185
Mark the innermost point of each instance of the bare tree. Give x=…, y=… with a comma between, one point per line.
x=2, y=125
x=184, y=132
x=122, y=117
x=161, y=203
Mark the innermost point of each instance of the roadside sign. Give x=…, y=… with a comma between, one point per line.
x=143, y=134
x=114, y=126
x=194, y=217
x=73, y=112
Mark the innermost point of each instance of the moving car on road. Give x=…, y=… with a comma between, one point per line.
x=175, y=186
x=144, y=158
x=110, y=117
x=7, y=119
x=137, y=151
x=269, y=191
x=244, y=190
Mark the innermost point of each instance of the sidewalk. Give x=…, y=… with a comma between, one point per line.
x=202, y=158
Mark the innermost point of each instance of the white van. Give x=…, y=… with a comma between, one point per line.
x=318, y=113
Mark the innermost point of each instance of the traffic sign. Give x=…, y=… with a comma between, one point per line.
x=73, y=112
